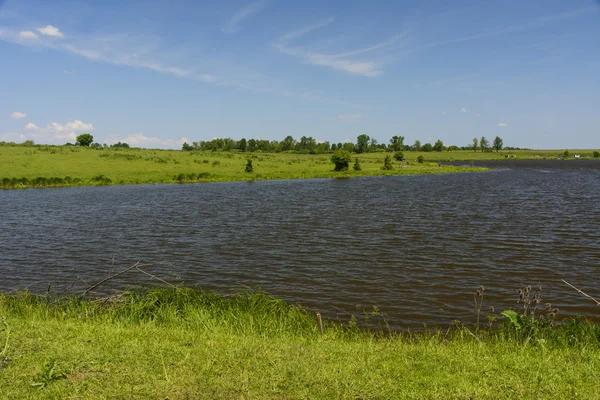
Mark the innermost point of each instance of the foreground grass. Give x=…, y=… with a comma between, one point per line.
x=181, y=343
x=48, y=166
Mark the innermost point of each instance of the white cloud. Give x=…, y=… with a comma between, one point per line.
x=351, y=117
x=28, y=35
x=464, y=110
x=75, y=126
x=341, y=61
x=141, y=140
x=31, y=127
x=502, y=124
x=477, y=115
x=232, y=25
x=444, y=113
x=18, y=115
x=50, y=30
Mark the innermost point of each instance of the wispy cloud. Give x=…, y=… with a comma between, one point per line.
x=232, y=25
x=444, y=113
x=519, y=27
x=343, y=61
x=28, y=35
x=50, y=30
x=464, y=110
x=502, y=124
x=18, y=115
x=349, y=118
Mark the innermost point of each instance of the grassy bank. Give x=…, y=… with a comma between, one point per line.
x=53, y=166
x=181, y=343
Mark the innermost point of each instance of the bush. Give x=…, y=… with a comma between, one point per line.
x=596, y=154
x=341, y=159
x=420, y=159
x=249, y=167
x=387, y=163
x=399, y=156
x=357, y=166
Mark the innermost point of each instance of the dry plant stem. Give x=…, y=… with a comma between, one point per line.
x=581, y=291
x=154, y=277
x=134, y=266
x=320, y=322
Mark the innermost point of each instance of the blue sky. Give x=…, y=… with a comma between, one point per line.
x=155, y=73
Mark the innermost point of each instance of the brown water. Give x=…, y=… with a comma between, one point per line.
x=417, y=247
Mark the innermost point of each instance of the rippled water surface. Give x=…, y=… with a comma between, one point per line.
x=417, y=247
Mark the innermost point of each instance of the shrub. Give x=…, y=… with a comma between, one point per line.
x=341, y=159
x=249, y=167
x=420, y=159
x=356, y=165
x=215, y=163
x=596, y=154
x=399, y=156
x=387, y=163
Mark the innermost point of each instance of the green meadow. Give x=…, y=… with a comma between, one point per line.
x=181, y=343
x=47, y=166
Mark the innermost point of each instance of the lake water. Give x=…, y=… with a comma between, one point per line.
x=417, y=247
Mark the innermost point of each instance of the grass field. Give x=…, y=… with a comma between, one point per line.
x=184, y=344
x=47, y=166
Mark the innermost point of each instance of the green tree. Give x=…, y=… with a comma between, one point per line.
x=85, y=139
x=362, y=143
x=484, y=144
x=475, y=144
x=427, y=147
x=498, y=144
x=288, y=143
x=356, y=165
x=249, y=167
x=387, y=163
x=399, y=156
x=341, y=159
x=417, y=145
x=184, y=147
x=438, y=146
x=397, y=143
x=242, y=144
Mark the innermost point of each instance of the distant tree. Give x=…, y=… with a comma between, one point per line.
x=124, y=145
x=28, y=143
x=242, y=144
x=566, y=154
x=484, y=144
x=341, y=159
x=475, y=144
x=596, y=154
x=373, y=145
x=420, y=159
x=387, y=163
x=417, y=145
x=252, y=145
x=288, y=143
x=356, y=165
x=427, y=147
x=96, y=146
x=452, y=148
x=498, y=144
x=397, y=143
x=85, y=139
x=333, y=147
x=348, y=146
x=362, y=143
x=249, y=167
x=438, y=146
x=184, y=147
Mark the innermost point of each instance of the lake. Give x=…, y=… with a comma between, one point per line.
x=416, y=247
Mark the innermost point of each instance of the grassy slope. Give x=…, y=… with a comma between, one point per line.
x=184, y=344
x=160, y=166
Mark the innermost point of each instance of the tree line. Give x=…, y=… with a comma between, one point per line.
x=309, y=145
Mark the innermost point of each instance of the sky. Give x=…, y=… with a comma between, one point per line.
x=156, y=73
